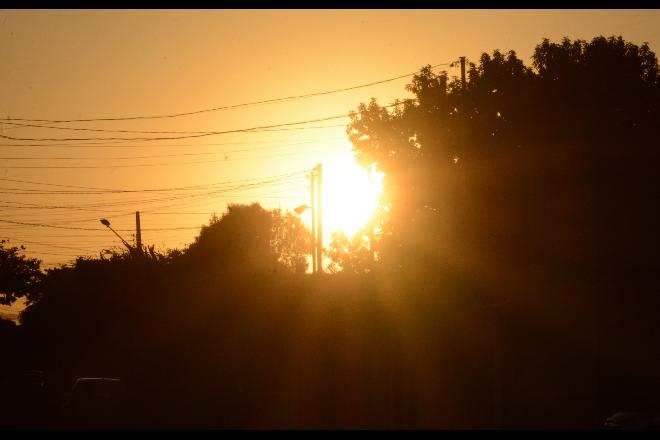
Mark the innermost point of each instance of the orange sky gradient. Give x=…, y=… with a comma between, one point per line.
x=71, y=64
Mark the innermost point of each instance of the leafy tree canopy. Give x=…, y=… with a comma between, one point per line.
x=253, y=237
x=488, y=165
x=19, y=275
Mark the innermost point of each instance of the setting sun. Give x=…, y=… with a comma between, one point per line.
x=350, y=195
x=306, y=219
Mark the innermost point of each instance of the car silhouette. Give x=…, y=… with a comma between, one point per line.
x=648, y=420
x=95, y=402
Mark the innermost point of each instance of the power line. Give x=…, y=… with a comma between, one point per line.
x=155, y=156
x=210, y=133
x=140, y=165
x=107, y=130
x=44, y=225
x=59, y=221
x=102, y=238
x=155, y=200
x=92, y=229
x=215, y=189
x=190, y=201
x=101, y=129
x=227, y=107
x=185, y=196
x=210, y=144
x=181, y=213
x=48, y=244
x=189, y=136
x=175, y=188
x=119, y=141
x=53, y=253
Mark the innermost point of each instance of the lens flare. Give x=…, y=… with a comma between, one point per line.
x=351, y=195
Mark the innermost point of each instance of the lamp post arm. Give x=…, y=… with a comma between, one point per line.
x=130, y=248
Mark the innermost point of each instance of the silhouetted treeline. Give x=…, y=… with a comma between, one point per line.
x=539, y=184
x=509, y=283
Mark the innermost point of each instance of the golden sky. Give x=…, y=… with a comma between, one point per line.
x=77, y=64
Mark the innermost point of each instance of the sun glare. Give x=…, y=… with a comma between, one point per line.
x=350, y=195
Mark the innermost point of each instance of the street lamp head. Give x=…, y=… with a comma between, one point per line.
x=300, y=209
x=105, y=222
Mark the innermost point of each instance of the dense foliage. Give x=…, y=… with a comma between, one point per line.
x=19, y=275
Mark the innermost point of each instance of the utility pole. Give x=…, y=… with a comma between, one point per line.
x=463, y=72
x=311, y=180
x=319, y=233
x=138, y=233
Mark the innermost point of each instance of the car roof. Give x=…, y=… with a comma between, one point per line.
x=98, y=379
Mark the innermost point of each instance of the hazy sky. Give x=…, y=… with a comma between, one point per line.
x=72, y=64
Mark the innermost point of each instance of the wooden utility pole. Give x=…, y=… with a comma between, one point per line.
x=463, y=73
x=138, y=233
x=311, y=180
x=319, y=218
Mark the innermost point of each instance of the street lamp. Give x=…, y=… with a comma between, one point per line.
x=105, y=222
x=299, y=210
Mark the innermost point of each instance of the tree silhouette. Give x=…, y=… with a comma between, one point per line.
x=253, y=238
x=19, y=275
x=479, y=167
x=290, y=241
x=536, y=187
x=350, y=255
x=513, y=264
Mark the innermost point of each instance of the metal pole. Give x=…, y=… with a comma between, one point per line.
x=130, y=248
x=138, y=233
x=463, y=72
x=319, y=234
x=311, y=180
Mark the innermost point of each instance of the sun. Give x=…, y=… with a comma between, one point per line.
x=351, y=195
